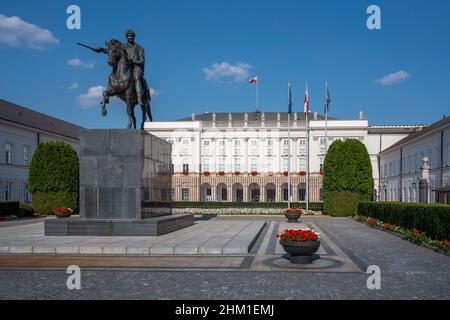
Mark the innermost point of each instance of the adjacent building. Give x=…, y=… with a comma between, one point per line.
x=21, y=131
x=243, y=157
x=401, y=165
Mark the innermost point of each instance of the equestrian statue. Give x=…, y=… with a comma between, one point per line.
x=126, y=80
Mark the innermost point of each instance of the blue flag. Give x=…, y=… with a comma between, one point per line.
x=327, y=99
x=289, y=99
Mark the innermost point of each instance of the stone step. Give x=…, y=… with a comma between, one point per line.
x=108, y=227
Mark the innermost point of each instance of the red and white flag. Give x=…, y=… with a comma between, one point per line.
x=254, y=80
x=306, y=103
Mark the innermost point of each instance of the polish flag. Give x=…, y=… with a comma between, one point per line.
x=254, y=80
x=306, y=100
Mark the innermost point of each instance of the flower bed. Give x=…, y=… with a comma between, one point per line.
x=299, y=235
x=293, y=210
x=413, y=235
x=234, y=211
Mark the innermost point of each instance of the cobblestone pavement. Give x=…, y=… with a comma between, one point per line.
x=408, y=271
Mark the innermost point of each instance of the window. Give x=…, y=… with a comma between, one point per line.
x=321, y=164
x=254, y=165
x=302, y=142
x=323, y=140
x=286, y=142
x=253, y=142
x=285, y=165
x=237, y=142
x=222, y=164
x=270, y=142
x=8, y=150
x=206, y=142
x=172, y=169
x=285, y=193
x=302, y=192
x=206, y=164
x=185, y=141
x=222, y=142
x=237, y=165
x=170, y=141
x=302, y=164
x=26, y=154
x=185, y=194
x=269, y=166
x=186, y=168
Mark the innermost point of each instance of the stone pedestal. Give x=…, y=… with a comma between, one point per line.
x=125, y=186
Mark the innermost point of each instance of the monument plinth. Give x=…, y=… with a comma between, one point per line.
x=125, y=187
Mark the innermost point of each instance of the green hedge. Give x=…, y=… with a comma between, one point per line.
x=347, y=168
x=433, y=219
x=8, y=208
x=53, y=177
x=25, y=210
x=343, y=203
x=44, y=202
x=316, y=206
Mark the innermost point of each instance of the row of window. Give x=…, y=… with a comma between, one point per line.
x=254, y=194
x=237, y=166
x=9, y=152
x=413, y=163
x=253, y=142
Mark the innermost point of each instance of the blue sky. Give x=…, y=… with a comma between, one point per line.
x=278, y=41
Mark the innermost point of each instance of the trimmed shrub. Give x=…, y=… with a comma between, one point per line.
x=8, y=208
x=342, y=203
x=317, y=206
x=347, y=168
x=44, y=202
x=25, y=210
x=433, y=219
x=54, y=177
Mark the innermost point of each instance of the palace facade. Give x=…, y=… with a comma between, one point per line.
x=401, y=165
x=243, y=157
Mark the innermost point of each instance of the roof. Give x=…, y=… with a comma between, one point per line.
x=20, y=115
x=441, y=123
x=252, y=116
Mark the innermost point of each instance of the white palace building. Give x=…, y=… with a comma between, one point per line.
x=243, y=157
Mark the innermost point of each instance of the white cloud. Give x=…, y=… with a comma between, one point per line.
x=92, y=98
x=79, y=63
x=15, y=32
x=393, y=78
x=73, y=86
x=154, y=92
x=219, y=71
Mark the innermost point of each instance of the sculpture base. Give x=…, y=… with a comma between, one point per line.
x=108, y=227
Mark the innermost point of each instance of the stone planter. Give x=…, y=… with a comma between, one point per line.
x=300, y=252
x=62, y=215
x=292, y=216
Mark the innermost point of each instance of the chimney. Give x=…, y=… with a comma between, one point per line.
x=315, y=115
x=193, y=116
x=361, y=115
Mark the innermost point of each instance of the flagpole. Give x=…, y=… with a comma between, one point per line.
x=326, y=116
x=257, y=95
x=307, y=152
x=289, y=145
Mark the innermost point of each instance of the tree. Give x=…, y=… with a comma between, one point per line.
x=54, y=177
x=347, y=177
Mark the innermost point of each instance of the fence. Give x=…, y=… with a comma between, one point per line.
x=14, y=190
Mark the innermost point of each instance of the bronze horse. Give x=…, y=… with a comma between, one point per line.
x=121, y=84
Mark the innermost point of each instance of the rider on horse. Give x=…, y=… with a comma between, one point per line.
x=136, y=56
